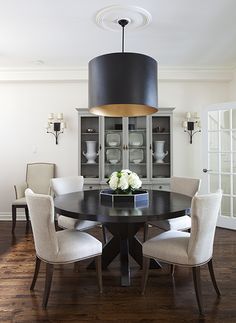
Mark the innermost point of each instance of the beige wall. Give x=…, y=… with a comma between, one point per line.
x=24, y=107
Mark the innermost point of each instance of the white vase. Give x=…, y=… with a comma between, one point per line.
x=91, y=153
x=159, y=153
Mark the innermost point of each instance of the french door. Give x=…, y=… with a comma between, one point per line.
x=219, y=158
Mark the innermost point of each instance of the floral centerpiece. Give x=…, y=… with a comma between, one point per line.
x=124, y=182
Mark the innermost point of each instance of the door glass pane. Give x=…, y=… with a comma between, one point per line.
x=213, y=120
x=137, y=144
x=234, y=184
x=213, y=141
x=214, y=162
x=225, y=119
x=225, y=184
x=214, y=182
x=225, y=162
x=234, y=162
x=225, y=206
x=234, y=207
x=234, y=118
x=234, y=140
x=225, y=140
x=113, y=143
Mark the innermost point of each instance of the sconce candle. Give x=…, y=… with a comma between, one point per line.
x=55, y=125
x=192, y=124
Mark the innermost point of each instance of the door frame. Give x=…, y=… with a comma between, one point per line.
x=223, y=221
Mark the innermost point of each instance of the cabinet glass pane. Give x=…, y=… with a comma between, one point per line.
x=225, y=184
x=214, y=162
x=225, y=162
x=225, y=206
x=225, y=140
x=137, y=143
x=213, y=120
x=214, y=182
x=113, y=143
x=225, y=119
x=213, y=141
x=90, y=147
x=160, y=147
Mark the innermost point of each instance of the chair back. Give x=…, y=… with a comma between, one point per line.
x=204, y=214
x=64, y=185
x=185, y=185
x=41, y=209
x=38, y=177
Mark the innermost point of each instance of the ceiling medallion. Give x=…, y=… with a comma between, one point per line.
x=137, y=17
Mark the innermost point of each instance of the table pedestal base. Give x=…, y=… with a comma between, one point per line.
x=125, y=243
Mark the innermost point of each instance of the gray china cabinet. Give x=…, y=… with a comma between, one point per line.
x=141, y=144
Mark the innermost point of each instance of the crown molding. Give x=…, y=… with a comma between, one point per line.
x=166, y=74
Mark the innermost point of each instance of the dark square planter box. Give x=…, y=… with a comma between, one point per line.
x=138, y=199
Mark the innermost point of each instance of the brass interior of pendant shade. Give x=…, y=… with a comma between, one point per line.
x=124, y=110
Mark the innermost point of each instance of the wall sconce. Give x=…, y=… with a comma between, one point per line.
x=56, y=124
x=192, y=124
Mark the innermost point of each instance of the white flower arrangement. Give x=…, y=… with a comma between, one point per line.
x=124, y=181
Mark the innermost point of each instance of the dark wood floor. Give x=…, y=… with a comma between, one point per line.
x=75, y=298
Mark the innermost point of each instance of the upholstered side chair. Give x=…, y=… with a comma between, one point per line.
x=70, y=184
x=182, y=185
x=38, y=177
x=62, y=247
x=188, y=249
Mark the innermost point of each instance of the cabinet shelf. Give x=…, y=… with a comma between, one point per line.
x=86, y=164
x=161, y=133
x=89, y=133
x=161, y=164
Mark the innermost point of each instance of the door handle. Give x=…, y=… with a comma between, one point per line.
x=206, y=170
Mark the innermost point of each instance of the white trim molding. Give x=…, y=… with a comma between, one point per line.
x=7, y=216
x=81, y=74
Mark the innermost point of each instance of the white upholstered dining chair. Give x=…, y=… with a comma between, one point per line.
x=188, y=249
x=182, y=185
x=70, y=184
x=62, y=247
x=38, y=177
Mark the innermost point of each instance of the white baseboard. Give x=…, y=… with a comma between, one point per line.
x=6, y=216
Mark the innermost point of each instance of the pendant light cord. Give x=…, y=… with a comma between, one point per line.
x=123, y=23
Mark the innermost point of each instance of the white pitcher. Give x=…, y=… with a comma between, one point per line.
x=91, y=153
x=159, y=153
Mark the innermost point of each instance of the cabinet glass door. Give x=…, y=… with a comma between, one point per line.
x=113, y=143
x=161, y=147
x=137, y=145
x=89, y=129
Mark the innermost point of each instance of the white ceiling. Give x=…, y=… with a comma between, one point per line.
x=63, y=33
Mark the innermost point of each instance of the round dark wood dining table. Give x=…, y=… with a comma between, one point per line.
x=122, y=220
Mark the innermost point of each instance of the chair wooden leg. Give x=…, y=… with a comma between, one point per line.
x=48, y=281
x=36, y=271
x=13, y=208
x=146, y=264
x=104, y=234
x=172, y=270
x=145, y=232
x=27, y=213
x=197, y=286
x=98, y=261
x=213, y=279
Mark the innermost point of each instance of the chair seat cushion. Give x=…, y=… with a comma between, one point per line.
x=75, y=245
x=21, y=201
x=73, y=224
x=170, y=247
x=180, y=223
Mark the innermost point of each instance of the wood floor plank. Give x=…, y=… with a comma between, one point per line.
x=75, y=296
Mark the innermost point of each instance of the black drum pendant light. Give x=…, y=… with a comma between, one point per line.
x=123, y=84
